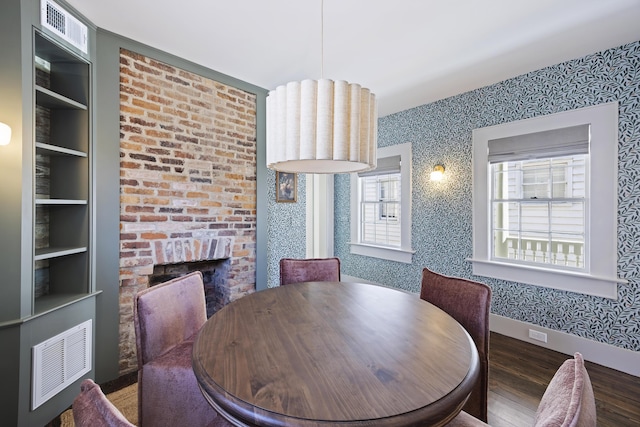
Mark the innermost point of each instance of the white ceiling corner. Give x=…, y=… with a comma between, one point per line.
x=408, y=52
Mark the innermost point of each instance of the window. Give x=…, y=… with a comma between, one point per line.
x=388, y=195
x=536, y=217
x=545, y=201
x=538, y=204
x=381, y=207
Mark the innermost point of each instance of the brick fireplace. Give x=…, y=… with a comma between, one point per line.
x=187, y=184
x=215, y=273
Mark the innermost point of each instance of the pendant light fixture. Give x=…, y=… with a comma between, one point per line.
x=321, y=126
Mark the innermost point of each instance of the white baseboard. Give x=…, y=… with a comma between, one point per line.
x=603, y=354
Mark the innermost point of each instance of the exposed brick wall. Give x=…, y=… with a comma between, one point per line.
x=187, y=180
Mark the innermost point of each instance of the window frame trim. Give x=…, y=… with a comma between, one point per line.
x=600, y=278
x=404, y=253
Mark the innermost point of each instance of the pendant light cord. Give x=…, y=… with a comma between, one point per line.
x=321, y=39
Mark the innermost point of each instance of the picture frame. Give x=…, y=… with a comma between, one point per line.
x=286, y=187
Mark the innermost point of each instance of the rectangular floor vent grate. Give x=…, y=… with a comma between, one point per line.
x=59, y=361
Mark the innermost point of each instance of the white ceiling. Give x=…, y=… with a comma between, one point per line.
x=408, y=52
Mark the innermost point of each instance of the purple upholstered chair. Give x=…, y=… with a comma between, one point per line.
x=567, y=402
x=469, y=303
x=91, y=408
x=167, y=318
x=309, y=270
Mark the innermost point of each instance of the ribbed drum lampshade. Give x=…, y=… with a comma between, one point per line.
x=321, y=126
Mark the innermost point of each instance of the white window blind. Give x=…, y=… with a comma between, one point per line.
x=560, y=142
x=386, y=165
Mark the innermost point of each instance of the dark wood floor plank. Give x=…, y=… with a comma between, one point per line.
x=506, y=412
x=519, y=373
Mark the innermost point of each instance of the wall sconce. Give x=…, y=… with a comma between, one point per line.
x=5, y=134
x=438, y=172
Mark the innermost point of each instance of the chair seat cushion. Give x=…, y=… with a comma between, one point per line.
x=171, y=393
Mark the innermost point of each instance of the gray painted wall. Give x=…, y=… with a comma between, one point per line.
x=107, y=200
x=20, y=327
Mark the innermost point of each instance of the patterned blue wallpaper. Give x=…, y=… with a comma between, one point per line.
x=286, y=228
x=441, y=234
x=441, y=133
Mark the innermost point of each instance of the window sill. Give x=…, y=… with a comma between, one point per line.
x=383, y=252
x=581, y=283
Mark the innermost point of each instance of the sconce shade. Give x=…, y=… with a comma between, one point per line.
x=437, y=173
x=5, y=134
x=321, y=126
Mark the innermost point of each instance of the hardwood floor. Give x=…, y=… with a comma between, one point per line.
x=519, y=373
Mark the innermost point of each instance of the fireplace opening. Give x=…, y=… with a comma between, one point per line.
x=215, y=274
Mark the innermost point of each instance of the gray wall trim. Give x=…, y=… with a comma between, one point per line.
x=107, y=208
x=262, y=187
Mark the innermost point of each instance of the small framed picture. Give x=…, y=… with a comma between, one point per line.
x=286, y=187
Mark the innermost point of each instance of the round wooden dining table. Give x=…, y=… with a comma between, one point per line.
x=334, y=354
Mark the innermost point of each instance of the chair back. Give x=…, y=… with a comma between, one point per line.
x=469, y=303
x=167, y=314
x=309, y=270
x=91, y=408
x=568, y=400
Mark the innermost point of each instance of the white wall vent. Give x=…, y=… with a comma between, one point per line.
x=63, y=24
x=59, y=361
